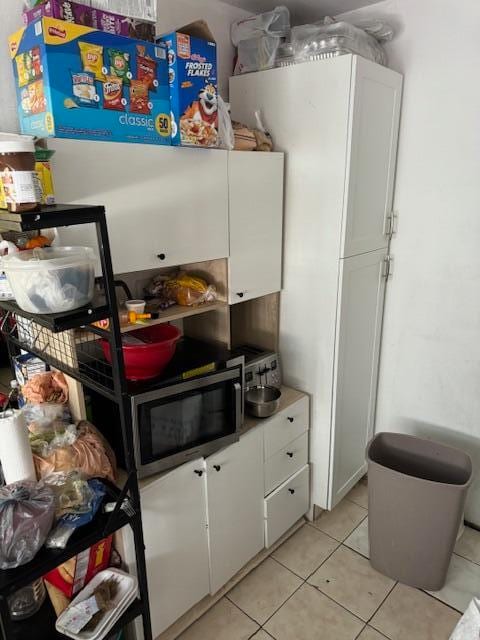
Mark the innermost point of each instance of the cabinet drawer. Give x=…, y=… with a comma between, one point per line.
x=286, y=462
x=286, y=505
x=285, y=427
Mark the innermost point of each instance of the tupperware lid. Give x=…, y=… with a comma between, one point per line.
x=48, y=258
x=10, y=143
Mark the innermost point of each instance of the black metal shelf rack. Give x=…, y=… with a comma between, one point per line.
x=78, y=354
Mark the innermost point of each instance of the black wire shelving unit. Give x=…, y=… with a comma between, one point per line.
x=69, y=342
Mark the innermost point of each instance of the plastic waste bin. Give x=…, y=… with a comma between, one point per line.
x=416, y=496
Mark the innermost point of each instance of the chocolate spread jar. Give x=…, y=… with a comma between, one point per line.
x=19, y=184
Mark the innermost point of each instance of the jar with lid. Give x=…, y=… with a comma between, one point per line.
x=20, y=188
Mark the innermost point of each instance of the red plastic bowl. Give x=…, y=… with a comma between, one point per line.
x=147, y=360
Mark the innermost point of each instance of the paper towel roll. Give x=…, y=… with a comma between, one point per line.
x=15, y=452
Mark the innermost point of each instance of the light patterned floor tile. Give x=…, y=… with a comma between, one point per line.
x=305, y=551
x=359, y=495
x=224, y=621
x=264, y=590
x=340, y=522
x=309, y=615
x=262, y=635
x=463, y=584
x=410, y=614
x=469, y=545
x=358, y=539
x=349, y=579
x=370, y=634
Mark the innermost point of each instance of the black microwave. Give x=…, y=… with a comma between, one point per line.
x=194, y=409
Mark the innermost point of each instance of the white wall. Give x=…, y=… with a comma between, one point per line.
x=10, y=21
x=430, y=362
x=177, y=13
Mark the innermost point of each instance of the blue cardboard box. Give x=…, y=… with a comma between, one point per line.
x=192, y=74
x=73, y=81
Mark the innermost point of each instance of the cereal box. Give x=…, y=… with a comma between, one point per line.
x=77, y=82
x=90, y=17
x=192, y=70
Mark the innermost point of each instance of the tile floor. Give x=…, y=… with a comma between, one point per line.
x=319, y=585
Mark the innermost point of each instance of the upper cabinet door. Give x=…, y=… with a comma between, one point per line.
x=256, y=223
x=359, y=324
x=165, y=206
x=371, y=156
x=235, y=506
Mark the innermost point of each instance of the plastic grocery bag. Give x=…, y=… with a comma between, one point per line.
x=27, y=510
x=226, y=137
x=271, y=23
x=468, y=627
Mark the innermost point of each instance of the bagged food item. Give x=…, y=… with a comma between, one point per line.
x=90, y=454
x=92, y=59
x=120, y=64
x=82, y=514
x=189, y=290
x=139, y=97
x=113, y=93
x=146, y=69
x=72, y=492
x=50, y=386
x=27, y=511
x=84, y=91
x=226, y=137
x=46, y=417
x=28, y=66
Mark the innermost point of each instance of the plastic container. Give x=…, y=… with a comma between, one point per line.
x=51, y=280
x=127, y=592
x=20, y=188
x=138, y=306
x=416, y=496
x=146, y=352
x=25, y=602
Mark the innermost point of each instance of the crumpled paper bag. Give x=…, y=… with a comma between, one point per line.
x=468, y=627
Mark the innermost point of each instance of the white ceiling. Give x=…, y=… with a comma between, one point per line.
x=302, y=10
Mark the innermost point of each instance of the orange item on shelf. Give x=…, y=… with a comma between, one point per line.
x=37, y=241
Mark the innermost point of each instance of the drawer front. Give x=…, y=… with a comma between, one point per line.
x=286, y=462
x=286, y=505
x=285, y=427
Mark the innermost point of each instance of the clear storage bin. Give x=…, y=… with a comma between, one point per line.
x=51, y=280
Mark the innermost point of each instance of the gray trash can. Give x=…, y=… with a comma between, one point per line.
x=416, y=496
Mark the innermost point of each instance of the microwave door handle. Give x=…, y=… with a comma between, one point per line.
x=238, y=405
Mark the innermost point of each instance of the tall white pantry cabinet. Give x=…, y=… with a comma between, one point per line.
x=337, y=122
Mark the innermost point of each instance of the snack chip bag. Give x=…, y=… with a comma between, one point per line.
x=147, y=70
x=28, y=66
x=84, y=92
x=36, y=97
x=92, y=59
x=139, y=97
x=113, y=94
x=119, y=64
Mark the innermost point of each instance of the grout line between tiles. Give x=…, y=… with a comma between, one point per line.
x=430, y=595
x=455, y=553
x=244, y=612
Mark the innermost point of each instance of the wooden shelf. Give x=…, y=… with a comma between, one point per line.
x=176, y=312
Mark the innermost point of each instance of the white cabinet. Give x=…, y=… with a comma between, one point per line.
x=339, y=177
x=235, y=507
x=165, y=206
x=256, y=223
x=176, y=544
x=360, y=311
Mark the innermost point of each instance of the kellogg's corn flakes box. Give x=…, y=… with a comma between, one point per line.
x=192, y=74
x=73, y=81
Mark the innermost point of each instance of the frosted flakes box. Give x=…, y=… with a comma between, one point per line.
x=192, y=72
x=73, y=81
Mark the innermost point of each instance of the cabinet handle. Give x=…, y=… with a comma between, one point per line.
x=240, y=294
x=290, y=419
x=199, y=472
x=161, y=256
x=292, y=491
x=290, y=454
x=217, y=467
